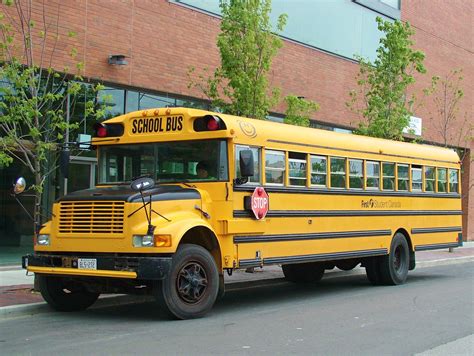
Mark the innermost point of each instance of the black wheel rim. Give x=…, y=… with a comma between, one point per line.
x=191, y=282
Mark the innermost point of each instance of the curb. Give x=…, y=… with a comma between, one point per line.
x=15, y=311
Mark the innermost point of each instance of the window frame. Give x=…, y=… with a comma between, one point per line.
x=434, y=179
x=407, y=179
x=356, y=176
x=259, y=156
x=367, y=162
x=325, y=173
x=438, y=170
x=283, y=154
x=305, y=179
x=449, y=179
x=420, y=169
x=389, y=177
x=344, y=173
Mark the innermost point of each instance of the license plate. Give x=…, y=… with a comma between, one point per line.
x=87, y=263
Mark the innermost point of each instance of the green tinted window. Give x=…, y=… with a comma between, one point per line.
x=430, y=179
x=356, y=174
x=388, y=176
x=442, y=180
x=275, y=167
x=403, y=177
x=318, y=170
x=453, y=181
x=338, y=172
x=297, y=172
x=373, y=175
x=416, y=179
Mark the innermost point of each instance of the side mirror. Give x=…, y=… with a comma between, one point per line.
x=19, y=186
x=64, y=158
x=246, y=163
x=143, y=183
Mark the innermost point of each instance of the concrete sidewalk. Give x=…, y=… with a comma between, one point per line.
x=17, y=296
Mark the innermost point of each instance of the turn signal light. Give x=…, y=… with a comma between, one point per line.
x=163, y=240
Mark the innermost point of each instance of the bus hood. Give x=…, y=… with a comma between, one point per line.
x=125, y=193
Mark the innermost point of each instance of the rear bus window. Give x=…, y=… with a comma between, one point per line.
x=416, y=179
x=442, y=180
x=356, y=174
x=274, y=167
x=338, y=172
x=319, y=171
x=388, y=176
x=373, y=175
x=453, y=181
x=430, y=179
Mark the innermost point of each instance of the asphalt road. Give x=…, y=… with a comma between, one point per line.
x=342, y=315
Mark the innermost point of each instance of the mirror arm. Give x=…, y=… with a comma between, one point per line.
x=24, y=209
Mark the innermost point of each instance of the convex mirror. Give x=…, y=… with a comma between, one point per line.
x=143, y=183
x=19, y=186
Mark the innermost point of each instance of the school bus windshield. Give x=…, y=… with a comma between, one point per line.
x=178, y=161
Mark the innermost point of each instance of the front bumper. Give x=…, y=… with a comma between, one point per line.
x=147, y=268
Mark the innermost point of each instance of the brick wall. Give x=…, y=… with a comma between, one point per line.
x=163, y=40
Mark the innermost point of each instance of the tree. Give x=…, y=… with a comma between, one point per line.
x=34, y=95
x=247, y=47
x=382, y=97
x=455, y=128
x=299, y=110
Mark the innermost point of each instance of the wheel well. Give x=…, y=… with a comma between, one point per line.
x=204, y=237
x=410, y=246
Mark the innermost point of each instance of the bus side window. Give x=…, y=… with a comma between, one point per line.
x=453, y=181
x=255, y=179
x=442, y=180
x=403, y=177
x=338, y=172
x=416, y=179
x=372, y=175
x=388, y=170
x=430, y=179
x=297, y=168
x=274, y=167
x=356, y=174
x=319, y=171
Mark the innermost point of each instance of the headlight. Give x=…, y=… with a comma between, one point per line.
x=151, y=241
x=42, y=240
x=143, y=241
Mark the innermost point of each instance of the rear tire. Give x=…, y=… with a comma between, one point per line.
x=65, y=297
x=372, y=269
x=394, y=267
x=192, y=286
x=303, y=272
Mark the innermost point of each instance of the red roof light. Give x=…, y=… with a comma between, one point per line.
x=213, y=124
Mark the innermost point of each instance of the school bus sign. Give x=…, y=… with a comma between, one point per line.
x=259, y=203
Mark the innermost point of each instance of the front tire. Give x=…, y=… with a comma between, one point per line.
x=394, y=267
x=66, y=297
x=303, y=272
x=192, y=286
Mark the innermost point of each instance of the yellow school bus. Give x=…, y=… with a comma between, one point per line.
x=185, y=195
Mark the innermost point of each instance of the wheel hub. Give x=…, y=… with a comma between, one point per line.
x=191, y=283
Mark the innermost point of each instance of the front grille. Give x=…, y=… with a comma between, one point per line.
x=92, y=217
